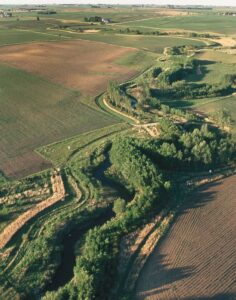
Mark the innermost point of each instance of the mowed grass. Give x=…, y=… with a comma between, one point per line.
x=203, y=23
x=150, y=43
x=35, y=112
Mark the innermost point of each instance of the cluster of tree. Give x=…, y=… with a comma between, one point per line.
x=182, y=148
x=184, y=90
x=47, y=12
x=178, y=112
x=93, y=19
x=171, y=83
x=202, y=35
x=118, y=98
x=178, y=50
x=139, y=32
x=97, y=265
x=223, y=118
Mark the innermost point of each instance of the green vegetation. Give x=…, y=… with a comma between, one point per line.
x=20, y=196
x=18, y=36
x=60, y=152
x=216, y=56
x=202, y=22
x=229, y=104
x=151, y=43
x=140, y=60
x=117, y=176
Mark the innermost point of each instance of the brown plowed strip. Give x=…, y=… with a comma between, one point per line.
x=197, y=258
x=15, y=226
x=25, y=164
x=83, y=65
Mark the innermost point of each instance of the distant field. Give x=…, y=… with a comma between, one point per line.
x=14, y=36
x=35, y=112
x=82, y=65
x=151, y=43
x=207, y=23
x=196, y=259
x=121, y=14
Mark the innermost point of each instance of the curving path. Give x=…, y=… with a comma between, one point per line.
x=16, y=225
x=197, y=258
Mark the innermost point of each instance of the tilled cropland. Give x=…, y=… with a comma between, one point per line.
x=196, y=260
x=83, y=65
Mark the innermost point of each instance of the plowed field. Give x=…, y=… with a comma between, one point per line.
x=197, y=258
x=83, y=65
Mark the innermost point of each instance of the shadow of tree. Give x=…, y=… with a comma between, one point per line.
x=200, y=197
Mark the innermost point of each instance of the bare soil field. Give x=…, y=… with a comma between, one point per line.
x=23, y=165
x=83, y=65
x=197, y=258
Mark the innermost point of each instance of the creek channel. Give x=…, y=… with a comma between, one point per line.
x=112, y=190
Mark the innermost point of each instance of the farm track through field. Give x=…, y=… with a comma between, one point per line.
x=196, y=260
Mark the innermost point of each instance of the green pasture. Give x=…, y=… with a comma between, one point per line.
x=202, y=23
x=148, y=43
x=17, y=36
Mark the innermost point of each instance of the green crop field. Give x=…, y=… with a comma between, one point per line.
x=35, y=112
x=150, y=43
x=203, y=23
x=17, y=36
x=107, y=126
x=139, y=60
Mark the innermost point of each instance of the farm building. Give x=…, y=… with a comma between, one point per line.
x=106, y=21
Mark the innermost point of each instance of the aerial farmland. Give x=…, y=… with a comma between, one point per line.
x=117, y=152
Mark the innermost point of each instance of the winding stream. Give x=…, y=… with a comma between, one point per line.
x=64, y=272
